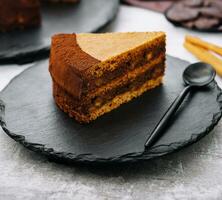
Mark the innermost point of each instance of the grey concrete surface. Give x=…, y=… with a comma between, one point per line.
x=194, y=173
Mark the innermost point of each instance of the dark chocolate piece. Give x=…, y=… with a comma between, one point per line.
x=209, y=17
x=159, y=6
x=193, y=3
x=189, y=24
x=212, y=12
x=206, y=23
x=216, y=3
x=179, y=13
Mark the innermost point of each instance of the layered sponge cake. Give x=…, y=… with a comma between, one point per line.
x=93, y=74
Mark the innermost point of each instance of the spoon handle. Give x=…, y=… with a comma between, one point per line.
x=159, y=129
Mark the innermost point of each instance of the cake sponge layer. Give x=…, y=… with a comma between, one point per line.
x=64, y=101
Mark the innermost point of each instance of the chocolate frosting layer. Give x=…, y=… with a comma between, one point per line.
x=68, y=62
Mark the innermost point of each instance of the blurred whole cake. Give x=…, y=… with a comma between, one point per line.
x=95, y=73
x=22, y=14
x=19, y=14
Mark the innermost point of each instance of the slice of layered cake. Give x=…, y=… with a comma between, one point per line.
x=19, y=14
x=95, y=73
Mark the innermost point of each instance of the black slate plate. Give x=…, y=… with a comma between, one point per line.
x=28, y=45
x=32, y=118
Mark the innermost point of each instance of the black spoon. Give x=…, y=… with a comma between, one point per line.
x=195, y=76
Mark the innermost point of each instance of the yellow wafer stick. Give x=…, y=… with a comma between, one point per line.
x=197, y=41
x=205, y=56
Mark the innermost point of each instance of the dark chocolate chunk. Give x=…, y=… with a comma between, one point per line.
x=159, y=6
x=193, y=3
x=179, y=13
x=204, y=15
x=206, y=23
x=211, y=12
x=207, y=2
x=189, y=24
x=214, y=3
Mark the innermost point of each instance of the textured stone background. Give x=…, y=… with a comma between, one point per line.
x=192, y=173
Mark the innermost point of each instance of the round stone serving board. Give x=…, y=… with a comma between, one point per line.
x=32, y=44
x=32, y=118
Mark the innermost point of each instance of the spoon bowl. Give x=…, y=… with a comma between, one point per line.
x=195, y=75
x=199, y=74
